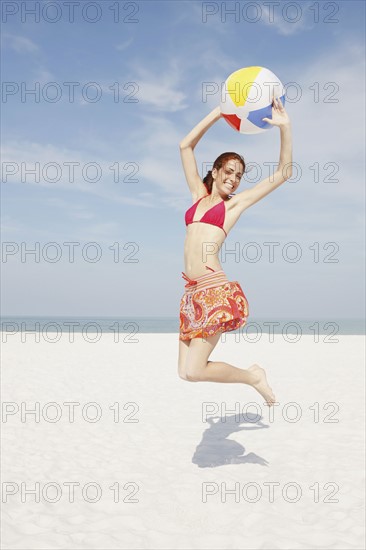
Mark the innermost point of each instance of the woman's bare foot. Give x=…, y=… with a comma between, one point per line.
x=261, y=385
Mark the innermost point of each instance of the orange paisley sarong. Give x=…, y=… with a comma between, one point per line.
x=210, y=305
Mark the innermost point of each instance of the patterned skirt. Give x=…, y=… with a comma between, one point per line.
x=210, y=305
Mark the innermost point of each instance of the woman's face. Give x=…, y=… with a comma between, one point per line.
x=228, y=177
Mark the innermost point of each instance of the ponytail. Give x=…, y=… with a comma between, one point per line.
x=208, y=181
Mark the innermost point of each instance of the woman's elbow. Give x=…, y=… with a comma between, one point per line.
x=286, y=172
x=184, y=144
x=289, y=174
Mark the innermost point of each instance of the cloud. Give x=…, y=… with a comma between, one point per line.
x=43, y=76
x=209, y=18
x=219, y=18
x=60, y=174
x=332, y=132
x=287, y=21
x=158, y=139
x=20, y=44
x=124, y=45
x=8, y=225
x=160, y=89
x=102, y=232
x=74, y=211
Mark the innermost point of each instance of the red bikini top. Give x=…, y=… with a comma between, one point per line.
x=214, y=216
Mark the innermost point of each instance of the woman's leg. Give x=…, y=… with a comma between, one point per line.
x=199, y=369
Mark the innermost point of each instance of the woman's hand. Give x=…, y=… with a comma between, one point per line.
x=279, y=114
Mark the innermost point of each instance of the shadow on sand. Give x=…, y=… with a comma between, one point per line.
x=216, y=450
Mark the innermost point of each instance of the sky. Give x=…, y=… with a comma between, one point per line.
x=92, y=179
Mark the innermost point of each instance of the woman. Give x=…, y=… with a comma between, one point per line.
x=211, y=304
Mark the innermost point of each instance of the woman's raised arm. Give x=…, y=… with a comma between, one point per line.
x=283, y=171
x=187, y=145
x=195, y=135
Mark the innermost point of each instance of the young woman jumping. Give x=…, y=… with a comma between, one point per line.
x=211, y=304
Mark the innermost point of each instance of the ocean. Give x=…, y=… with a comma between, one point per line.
x=134, y=325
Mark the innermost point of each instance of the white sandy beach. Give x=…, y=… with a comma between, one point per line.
x=161, y=476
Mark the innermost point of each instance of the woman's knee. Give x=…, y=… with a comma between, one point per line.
x=195, y=373
x=182, y=368
x=182, y=374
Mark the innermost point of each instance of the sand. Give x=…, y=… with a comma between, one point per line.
x=161, y=463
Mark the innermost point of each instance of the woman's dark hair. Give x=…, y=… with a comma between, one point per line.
x=219, y=162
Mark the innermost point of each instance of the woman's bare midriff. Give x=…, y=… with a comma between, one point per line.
x=201, y=248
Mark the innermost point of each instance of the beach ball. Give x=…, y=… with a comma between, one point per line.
x=247, y=96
